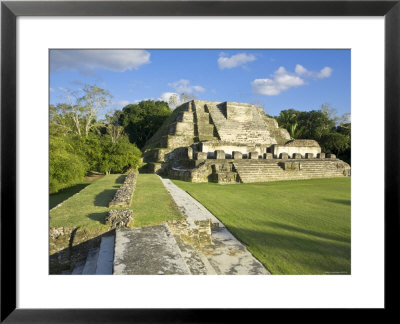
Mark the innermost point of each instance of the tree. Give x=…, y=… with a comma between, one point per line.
x=118, y=156
x=288, y=120
x=176, y=100
x=142, y=120
x=334, y=143
x=113, y=128
x=94, y=99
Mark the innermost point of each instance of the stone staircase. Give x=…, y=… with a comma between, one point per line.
x=263, y=170
x=250, y=131
x=204, y=129
x=176, y=248
x=99, y=261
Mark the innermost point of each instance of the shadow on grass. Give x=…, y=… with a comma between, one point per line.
x=98, y=217
x=64, y=194
x=120, y=179
x=295, y=229
x=103, y=198
x=346, y=202
x=284, y=253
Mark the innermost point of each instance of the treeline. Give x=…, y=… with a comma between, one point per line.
x=331, y=132
x=80, y=143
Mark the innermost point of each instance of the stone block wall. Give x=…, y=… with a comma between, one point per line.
x=123, y=196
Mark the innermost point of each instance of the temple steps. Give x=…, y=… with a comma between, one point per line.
x=99, y=261
x=263, y=171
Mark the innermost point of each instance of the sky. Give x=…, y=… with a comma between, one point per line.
x=273, y=79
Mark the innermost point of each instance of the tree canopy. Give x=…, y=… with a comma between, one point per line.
x=331, y=132
x=80, y=142
x=142, y=120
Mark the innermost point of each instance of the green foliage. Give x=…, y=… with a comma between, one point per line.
x=104, y=148
x=319, y=125
x=334, y=143
x=142, y=120
x=66, y=168
x=119, y=156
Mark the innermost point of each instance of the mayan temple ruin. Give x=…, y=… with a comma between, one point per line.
x=229, y=142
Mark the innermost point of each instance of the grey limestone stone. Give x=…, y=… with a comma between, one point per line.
x=219, y=154
x=253, y=155
x=321, y=155
x=331, y=156
x=296, y=156
x=236, y=155
x=309, y=155
x=268, y=156
x=283, y=156
x=201, y=155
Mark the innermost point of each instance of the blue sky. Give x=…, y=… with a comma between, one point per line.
x=273, y=79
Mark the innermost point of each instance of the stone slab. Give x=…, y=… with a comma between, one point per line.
x=106, y=256
x=78, y=268
x=148, y=250
x=91, y=262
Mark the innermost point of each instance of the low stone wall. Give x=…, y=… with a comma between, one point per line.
x=123, y=196
x=117, y=218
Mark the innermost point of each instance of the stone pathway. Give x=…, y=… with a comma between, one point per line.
x=205, y=243
x=147, y=250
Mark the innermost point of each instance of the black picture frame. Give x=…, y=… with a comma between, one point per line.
x=10, y=10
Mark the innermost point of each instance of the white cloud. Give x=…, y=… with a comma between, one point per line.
x=86, y=61
x=120, y=104
x=225, y=62
x=324, y=73
x=282, y=80
x=183, y=86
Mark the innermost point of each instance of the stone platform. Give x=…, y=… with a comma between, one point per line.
x=230, y=142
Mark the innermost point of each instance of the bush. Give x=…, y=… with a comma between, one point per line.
x=65, y=168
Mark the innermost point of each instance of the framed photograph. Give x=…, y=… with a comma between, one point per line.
x=357, y=40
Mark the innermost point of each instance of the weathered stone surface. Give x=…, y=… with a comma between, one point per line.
x=189, y=152
x=309, y=155
x=236, y=155
x=321, y=155
x=201, y=156
x=199, y=129
x=148, y=250
x=253, y=155
x=292, y=166
x=56, y=232
x=117, y=218
x=123, y=196
x=219, y=154
x=330, y=156
x=206, y=245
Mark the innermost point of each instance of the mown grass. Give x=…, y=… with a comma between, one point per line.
x=89, y=207
x=152, y=204
x=64, y=194
x=292, y=227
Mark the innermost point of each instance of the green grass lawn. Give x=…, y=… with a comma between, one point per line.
x=89, y=207
x=64, y=194
x=292, y=227
x=151, y=204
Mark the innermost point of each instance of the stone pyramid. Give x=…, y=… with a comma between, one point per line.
x=229, y=142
